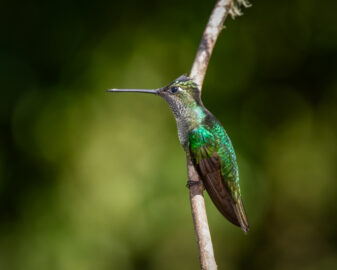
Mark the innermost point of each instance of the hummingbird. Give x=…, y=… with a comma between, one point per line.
x=207, y=143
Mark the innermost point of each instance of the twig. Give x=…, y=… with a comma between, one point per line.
x=209, y=37
x=206, y=254
x=213, y=28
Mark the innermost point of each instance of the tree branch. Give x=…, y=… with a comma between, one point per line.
x=206, y=254
x=213, y=28
x=209, y=37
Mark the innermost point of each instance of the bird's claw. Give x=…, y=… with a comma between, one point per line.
x=192, y=183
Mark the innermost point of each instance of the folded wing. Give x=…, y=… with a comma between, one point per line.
x=205, y=156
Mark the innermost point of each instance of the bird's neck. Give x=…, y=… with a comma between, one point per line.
x=187, y=119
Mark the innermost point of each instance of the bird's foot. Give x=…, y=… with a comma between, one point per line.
x=193, y=183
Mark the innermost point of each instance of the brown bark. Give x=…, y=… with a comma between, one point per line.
x=213, y=28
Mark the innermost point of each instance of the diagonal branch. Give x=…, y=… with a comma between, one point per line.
x=209, y=37
x=206, y=254
x=213, y=28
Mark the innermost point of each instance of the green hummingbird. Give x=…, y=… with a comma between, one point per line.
x=205, y=140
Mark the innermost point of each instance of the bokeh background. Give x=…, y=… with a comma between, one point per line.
x=92, y=180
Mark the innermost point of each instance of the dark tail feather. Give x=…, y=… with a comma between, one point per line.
x=241, y=215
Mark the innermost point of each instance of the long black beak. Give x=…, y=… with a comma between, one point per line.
x=147, y=91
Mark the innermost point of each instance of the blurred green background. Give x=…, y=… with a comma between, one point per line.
x=91, y=180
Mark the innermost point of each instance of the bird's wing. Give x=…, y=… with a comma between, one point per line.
x=204, y=151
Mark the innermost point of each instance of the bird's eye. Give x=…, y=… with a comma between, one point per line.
x=174, y=89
